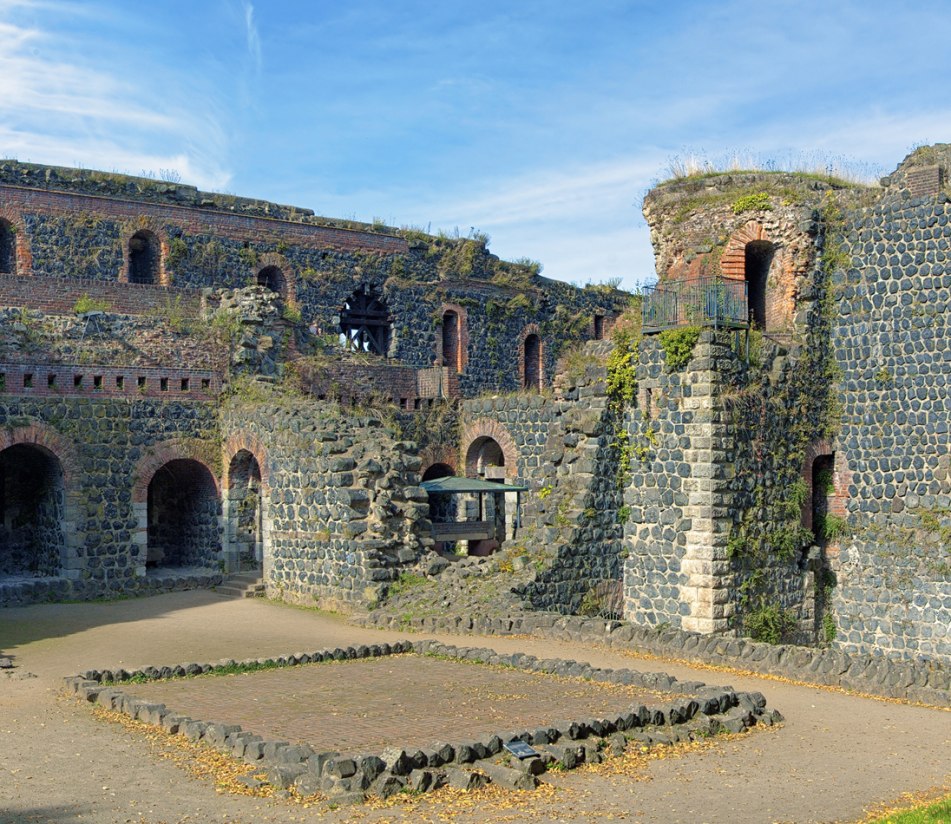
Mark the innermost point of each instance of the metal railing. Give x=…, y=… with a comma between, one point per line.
x=715, y=302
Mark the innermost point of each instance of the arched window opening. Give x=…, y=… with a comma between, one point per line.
x=450, y=341
x=533, y=362
x=365, y=323
x=245, y=515
x=758, y=259
x=183, y=512
x=8, y=249
x=485, y=455
x=144, y=257
x=271, y=277
x=32, y=512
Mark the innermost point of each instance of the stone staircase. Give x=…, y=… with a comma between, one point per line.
x=242, y=585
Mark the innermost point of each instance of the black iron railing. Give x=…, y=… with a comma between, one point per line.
x=701, y=302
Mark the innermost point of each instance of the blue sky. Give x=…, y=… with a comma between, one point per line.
x=540, y=123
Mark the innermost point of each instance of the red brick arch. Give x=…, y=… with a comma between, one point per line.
x=278, y=260
x=733, y=259
x=38, y=434
x=461, y=359
x=244, y=442
x=161, y=454
x=145, y=223
x=488, y=428
x=23, y=263
x=841, y=478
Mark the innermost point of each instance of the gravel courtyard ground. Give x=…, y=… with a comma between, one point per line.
x=836, y=755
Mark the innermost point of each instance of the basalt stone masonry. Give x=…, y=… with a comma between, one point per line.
x=794, y=480
x=194, y=382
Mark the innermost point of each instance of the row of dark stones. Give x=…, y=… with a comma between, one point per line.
x=27, y=591
x=699, y=711
x=926, y=682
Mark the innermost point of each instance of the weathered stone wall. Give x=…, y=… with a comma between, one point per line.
x=73, y=225
x=893, y=345
x=108, y=451
x=702, y=227
x=342, y=510
x=566, y=452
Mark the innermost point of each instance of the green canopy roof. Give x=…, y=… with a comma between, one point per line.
x=453, y=484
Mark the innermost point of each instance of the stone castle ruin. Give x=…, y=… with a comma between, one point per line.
x=194, y=384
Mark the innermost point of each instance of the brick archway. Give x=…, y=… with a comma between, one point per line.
x=486, y=428
x=38, y=434
x=22, y=255
x=193, y=498
x=51, y=443
x=246, y=442
x=840, y=480
x=275, y=260
x=247, y=539
x=152, y=226
x=733, y=259
x=775, y=298
x=161, y=454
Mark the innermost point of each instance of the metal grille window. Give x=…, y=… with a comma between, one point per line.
x=365, y=323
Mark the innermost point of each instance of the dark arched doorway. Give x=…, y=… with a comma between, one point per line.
x=245, y=513
x=271, y=277
x=183, y=516
x=144, y=257
x=758, y=259
x=32, y=511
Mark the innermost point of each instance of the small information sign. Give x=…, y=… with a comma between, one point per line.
x=520, y=749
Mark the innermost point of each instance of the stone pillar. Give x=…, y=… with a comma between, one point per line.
x=707, y=589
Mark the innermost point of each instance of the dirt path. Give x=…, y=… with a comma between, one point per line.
x=836, y=755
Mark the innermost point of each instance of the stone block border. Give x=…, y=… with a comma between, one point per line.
x=697, y=710
x=926, y=682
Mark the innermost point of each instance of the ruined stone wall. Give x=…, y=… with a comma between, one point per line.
x=108, y=451
x=702, y=227
x=715, y=539
x=72, y=226
x=566, y=453
x=893, y=346
x=342, y=510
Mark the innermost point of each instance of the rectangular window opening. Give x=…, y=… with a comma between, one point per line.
x=51, y=380
x=120, y=382
x=163, y=384
x=184, y=384
x=77, y=381
x=97, y=381
x=28, y=380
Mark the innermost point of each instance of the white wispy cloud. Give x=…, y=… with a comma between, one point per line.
x=66, y=102
x=252, y=35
